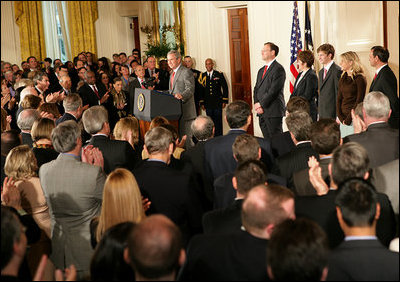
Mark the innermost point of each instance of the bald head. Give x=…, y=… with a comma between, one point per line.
x=155, y=246
x=202, y=128
x=209, y=64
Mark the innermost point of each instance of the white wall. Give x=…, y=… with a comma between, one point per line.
x=10, y=43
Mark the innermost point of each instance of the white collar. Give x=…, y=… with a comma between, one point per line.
x=328, y=66
x=175, y=70
x=210, y=73
x=271, y=62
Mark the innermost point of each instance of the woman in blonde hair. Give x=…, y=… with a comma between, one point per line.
x=122, y=202
x=22, y=167
x=127, y=129
x=351, y=90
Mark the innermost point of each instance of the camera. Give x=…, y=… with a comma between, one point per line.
x=149, y=82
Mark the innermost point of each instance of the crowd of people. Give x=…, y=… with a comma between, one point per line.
x=87, y=196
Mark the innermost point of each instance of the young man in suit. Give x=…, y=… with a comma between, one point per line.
x=240, y=256
x=268, y=92
x=215, y=95
x=169, y=191
x=349, y=160
x=181, y=85
x=385, y=81
x=328, y=81
x=380, y=140
x=116, y=153
x=361, y=256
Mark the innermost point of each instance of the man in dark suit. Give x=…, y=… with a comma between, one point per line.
x=306, y=84
x=215, y=95
x=299, y=125
x=349, y=160
x=268, y=92
x=73, y=108
x=282, y=143
x=181, y=85
x=218, y=151
x=161, y=78
x=138, y=82
x=328, y=81
x=93, y=93
x=169, y=191
x=199, y=87
x=227, y=220
x=240, y=256
x=25, y=122
x=385, y=81
x=380, y=140
x=203, y=130
x=361, y=256
x=325, y=137
x=116, y=153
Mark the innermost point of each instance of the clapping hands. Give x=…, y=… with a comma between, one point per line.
x=93, y=156
x=315, y=175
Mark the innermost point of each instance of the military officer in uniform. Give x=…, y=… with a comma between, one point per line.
x=215, y=95
x=198, y=90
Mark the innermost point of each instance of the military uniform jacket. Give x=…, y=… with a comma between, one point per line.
x=215, y=92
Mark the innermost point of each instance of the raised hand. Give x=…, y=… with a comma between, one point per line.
x=105, y=97
x=315, y=176
x=146, y=203
x=10, y=195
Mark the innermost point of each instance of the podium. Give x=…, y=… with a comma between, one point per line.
x=151, y=103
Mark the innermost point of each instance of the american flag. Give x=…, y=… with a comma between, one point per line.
x=308, y=44
x=295, y=47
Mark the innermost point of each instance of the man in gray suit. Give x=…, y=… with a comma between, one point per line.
x=181, y=85
x=73, y=191
x=328, y=80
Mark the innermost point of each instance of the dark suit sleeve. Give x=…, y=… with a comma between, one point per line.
x=310, y=88
x=278, y=81
x=225, y=93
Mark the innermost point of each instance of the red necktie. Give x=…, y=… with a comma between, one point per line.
x=172, y=80
x=375, y=76
x=325, y=72
x=96, y=92
x=265, y=70
x=141, y=85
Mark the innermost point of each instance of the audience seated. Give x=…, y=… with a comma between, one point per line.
x=155, y=249
x=298, y=251
x=361, y=256
x=240, y=256
x=122, y=201
x=108, y=262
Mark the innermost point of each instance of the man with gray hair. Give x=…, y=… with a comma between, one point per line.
x=73, y=108
x=25, y=121
x=73, y=191
x=181, y=85
x=117, y=153
x=169, y=191
x=380, y=140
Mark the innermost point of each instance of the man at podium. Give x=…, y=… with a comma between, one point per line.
x=181, y=85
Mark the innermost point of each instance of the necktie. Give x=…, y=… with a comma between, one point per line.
x=265, y=70
x=375, y=76
x=172, y=80
x=325, y=72
x=96, y=92
x=141, y=85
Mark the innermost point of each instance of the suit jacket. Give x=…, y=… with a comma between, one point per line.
x=116, y=153
x=381, y=142
x=363, y=260
x=131, y=93
x=328, y=89
x=163, y=78
x=268, y=91
x=308, y=89
x=224, y=221
x=171, y=194
x=89, y=97
x=322, y=210
x=73, y=192
x=281, y=143
x=386, y=82
x=301, y=180
x=233, y=257
x=294, y=161
x=66, y=117
x=219, y=157
x=184, y=84
x=385, y=179
x=215, y=92
x=27, y=139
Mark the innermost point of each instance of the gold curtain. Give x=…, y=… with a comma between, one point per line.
x=81, y=18
x=29, y=18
